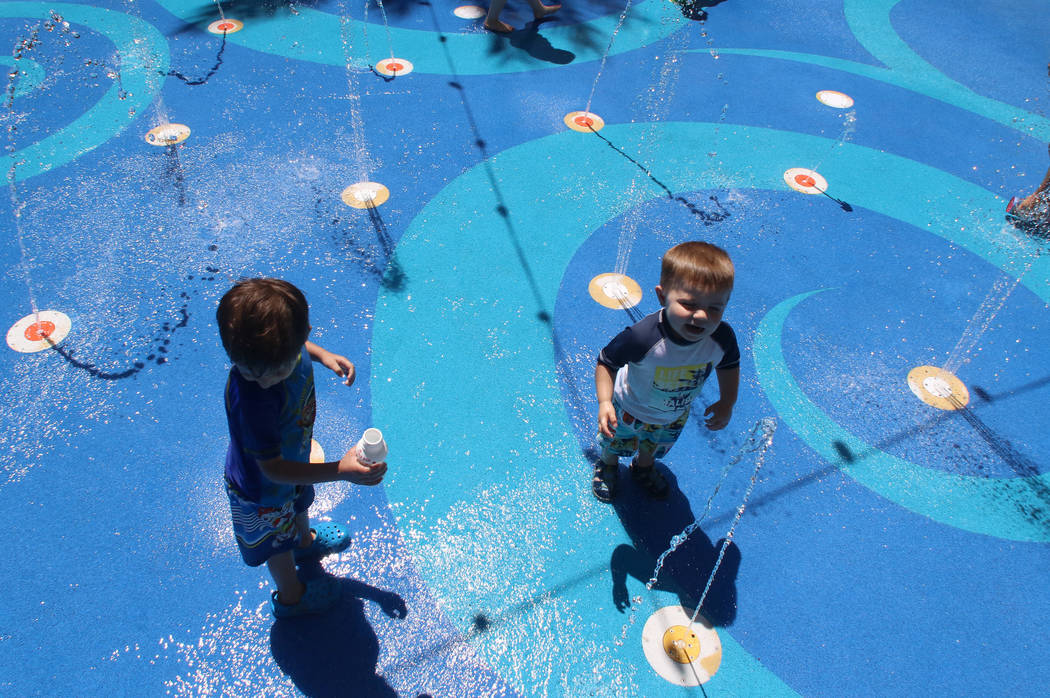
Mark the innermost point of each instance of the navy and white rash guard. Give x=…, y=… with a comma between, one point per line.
x=658, y=374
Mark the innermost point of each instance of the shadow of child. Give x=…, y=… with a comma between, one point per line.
x=536, y=45
x=651, y=524
x=336, y=653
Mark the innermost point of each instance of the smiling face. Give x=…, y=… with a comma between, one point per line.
x=693, y=313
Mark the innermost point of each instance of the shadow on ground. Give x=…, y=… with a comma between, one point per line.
x=336, y=653
x=651, y=524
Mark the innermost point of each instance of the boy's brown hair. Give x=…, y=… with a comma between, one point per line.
x=697, y=264
x=263, y=323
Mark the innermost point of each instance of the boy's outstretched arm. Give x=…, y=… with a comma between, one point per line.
x=604, y=379
x=719, y=413
x=340, y=365
x=346, y=468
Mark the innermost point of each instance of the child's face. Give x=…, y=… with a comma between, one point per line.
x=693, y=313
x=269, y=377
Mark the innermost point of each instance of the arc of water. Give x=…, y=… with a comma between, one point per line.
x=364, y=34
x=16, y=203
x=849, y=126
x=661, y=93
x=714, y=53
x=155, y=77
x=605, y=56
x=386, y=25
x=16, y=207
x=982, y=320
x=627, y=234
x=677, y=540
x=768, y=426
x=663, y=85
x=357, y=126
x=758, y=439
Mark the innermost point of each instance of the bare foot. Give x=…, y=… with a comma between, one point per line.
x=545, y=10
x=498, y=27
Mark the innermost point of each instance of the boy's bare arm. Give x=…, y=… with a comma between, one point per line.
x=346, y=468
x=728, y=384
x=604, y=380
x=719, y=413
x=340, y=365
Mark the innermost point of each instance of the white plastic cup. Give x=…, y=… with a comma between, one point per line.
x=371, y=449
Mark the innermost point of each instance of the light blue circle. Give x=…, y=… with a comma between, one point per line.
x=494, y=490
x=320, y=37
x=1000, y=507
x=30, y=74
x=869, y=20
x=143, y=55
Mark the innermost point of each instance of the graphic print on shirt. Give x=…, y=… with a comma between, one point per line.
x=307, y=413
x=674, y=387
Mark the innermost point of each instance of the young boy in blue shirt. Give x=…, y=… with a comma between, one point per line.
x=270, y=409
x=648, y=375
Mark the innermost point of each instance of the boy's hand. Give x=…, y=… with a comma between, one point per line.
x=342, y=366
x=359, y=473
x=607, y=419
x=718, y=415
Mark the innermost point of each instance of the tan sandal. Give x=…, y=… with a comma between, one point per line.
x=605, y=480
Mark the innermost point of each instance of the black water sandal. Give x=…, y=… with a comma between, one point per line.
x=650, y=480
x=606, y=477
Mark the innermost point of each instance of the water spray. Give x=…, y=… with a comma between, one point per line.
x=683, y=647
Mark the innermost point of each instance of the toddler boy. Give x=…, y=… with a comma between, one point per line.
x=648, y=375
x=270, y=410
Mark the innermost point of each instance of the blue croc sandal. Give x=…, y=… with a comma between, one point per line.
x=320, y=595
x=329, y=538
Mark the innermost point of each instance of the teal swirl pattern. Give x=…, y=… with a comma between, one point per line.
x=144, y=59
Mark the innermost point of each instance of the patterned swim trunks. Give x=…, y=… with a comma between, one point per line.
x=264, y=530
x=631, y=434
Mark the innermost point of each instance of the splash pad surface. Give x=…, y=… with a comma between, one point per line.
x=483, y=565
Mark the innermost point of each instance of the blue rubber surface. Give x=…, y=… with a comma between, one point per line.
x=888, y=546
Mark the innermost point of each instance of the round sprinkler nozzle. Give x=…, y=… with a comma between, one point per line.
x=681, y=644
x=615, y=291
x=938, y=388
x=681, y=650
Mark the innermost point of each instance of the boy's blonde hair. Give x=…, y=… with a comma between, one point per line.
x=699, y=265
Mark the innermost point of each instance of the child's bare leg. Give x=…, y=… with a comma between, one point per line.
x=492, y=20
x=282, y=569
x=539, y=10
x=644, y=472
x=302, y=525
x=646, y=456
x=606, y=476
